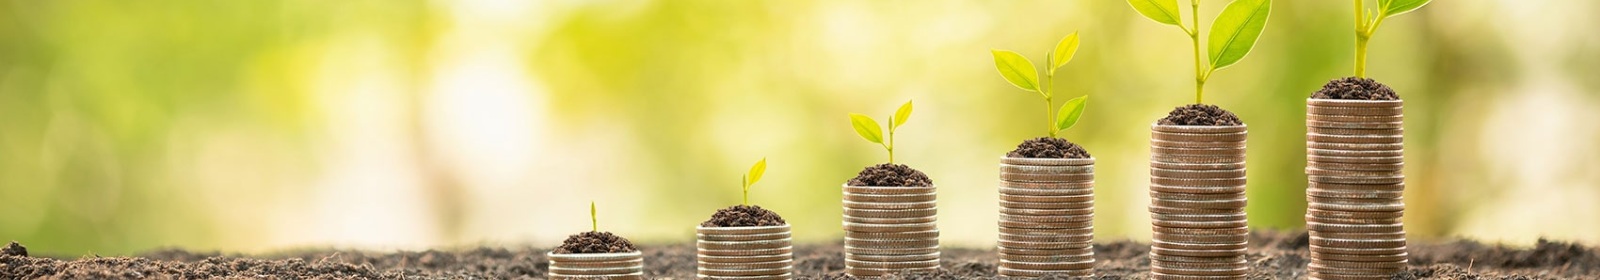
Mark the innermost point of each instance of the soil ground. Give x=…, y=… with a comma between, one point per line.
x=1274, y=256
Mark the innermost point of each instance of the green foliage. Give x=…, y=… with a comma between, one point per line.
x=1233, y=33
x=1367, y=24
x=1069, y=113
x=868, y=128
x=752, y=177
x=1162, y=11
x=1020, y=72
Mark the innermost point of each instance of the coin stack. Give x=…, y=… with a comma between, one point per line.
x=613, y=266
x=747, y=253
x=1354, y=158
x=1197, y=200
x=1046, y=217
x=890, y=230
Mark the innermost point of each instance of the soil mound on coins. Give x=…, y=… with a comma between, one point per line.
x=595, y=242
x=1200, y=115
x=1352, y=88
x=1048, y=147
x=14, y=249
x=891, y=175
x=744, y=216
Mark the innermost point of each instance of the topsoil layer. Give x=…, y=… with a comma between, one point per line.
x=1352, y=88
x=1048, y=147
x=1272, y=256
x=592, y=242
x=1200, y=115
x=744, y=216
x=891, y=175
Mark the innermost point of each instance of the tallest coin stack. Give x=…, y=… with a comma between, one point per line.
x=1354, y=158
x=1197, y=200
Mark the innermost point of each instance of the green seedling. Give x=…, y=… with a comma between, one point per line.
x=755, y=175
x=1021, y=73
x=1233, y=33
x=594, y=223
x=868, y=128
x=1367, y=22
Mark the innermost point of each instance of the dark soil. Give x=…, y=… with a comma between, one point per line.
x=1272, y=255
x=14, y=249
x=1352, y=88
x=744, y=216
x=1048, y=147
x=891, y=175
x=1200, y=115
x=595, y=242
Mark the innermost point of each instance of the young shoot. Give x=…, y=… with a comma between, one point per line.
x=754, y=175
x=868, y=128
x=1367, y=23
x=1233, y=33
x=594, y=223
x=1021, y=73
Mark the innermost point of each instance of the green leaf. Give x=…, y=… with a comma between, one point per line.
x=1069, y=113
x=1236, y=31
x=1397, y=7
x=901, y=115
x=755, y=173
x=1163, y=11
x=866, y=127
x=1016, y=69
x=1064, y=51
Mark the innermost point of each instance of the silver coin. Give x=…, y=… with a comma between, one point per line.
x=1386, y=139
x=891, y=213
x=744, y=259
x=878, y=198
x=1358, y=180
x=746, y=252
x=1047, y=205
x=1194, y=196
x=1388, y=207
x=1197, y=145
x=1355, y=153
x=1047, y=186
x=890, y=243
x=1355, y=228
x=890, y=221
x=1047, y=212
x=1048, y=265
x=855, y=227
x=1233, y=137
x=596, y=257
x=1399, y=187
x=1047, y=219
x=1010, y=272
x=1044, y=245
x=1047, y=198
x=884, y=251
x=888, y=190
x=1354, y=146
x=1086, y=254
x=930, y=234
x=751, y=265
x=1164, y=188
x=1359, y=258
x=1201, y=174
x=1199, y=128
x=1048, y=161
x=1195, y=159
x=891, y=205
x=893, y=258
x=1198, y=182
x=594, y=271
x=1039, y=225
x=1038, y=169
x=743, y=245
x=1357, y=251
x=1315, y=192
x=745, y=272
x=1356, y=131
x=1035, y=231
x=1044, y=252
x=1356, y=125
x=1045, y=237
x=1202, y=204
x=1196, y=253
x=1047, y=192
x=1235, y=216
x=1358, y=243
x=1046, y=178
x=1190, y=211
x=1354, y=103
x=1198, y=152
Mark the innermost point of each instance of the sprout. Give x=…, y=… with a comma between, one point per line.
x=594, y=223
x=1367, y=23
x=868, y=128
x=1233, y=33
x=1021, y=73
x=755, y=175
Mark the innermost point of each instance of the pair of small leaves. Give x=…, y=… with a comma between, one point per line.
x=869, y=129
x=1233, y=33
x=1397, y=7
x=750, y=178
x=1021, y=73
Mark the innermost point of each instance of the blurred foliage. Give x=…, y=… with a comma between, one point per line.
x=214, y=124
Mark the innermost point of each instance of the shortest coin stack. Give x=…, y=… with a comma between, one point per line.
x=1197, y=200
x=619, y=266
x=1046, y=217
x=1354, y=159
x=890, y=230
x=744, y=253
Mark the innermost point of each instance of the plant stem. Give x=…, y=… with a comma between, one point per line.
x=745, y=181
x=1049, y=75
x=1194, y=37
x=890, y=146
x=1361, y=39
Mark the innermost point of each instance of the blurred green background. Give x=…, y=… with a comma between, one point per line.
x=255, y=126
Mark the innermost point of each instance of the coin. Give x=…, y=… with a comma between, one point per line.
x=1241, y=231
x=1354, y=215
x=1047, y=219
x=1235, y=189
x=1317, y=192
x=1358, y=201
x=1197, y=166
x=1047, y=186
x=1034, y=231
x=1190, y=211
x=1046, y=178
x=1374, y=139
x=1399, y=187
x=874, y=272
x=890, y=221
x=1401, y=257
x=891, y=213
x=1199, y=128
x=1195, y=159
x=1354, y=111
x=629, y=276
x=751, y=266
x=1355, y=153
x=1347, y=235
x=1199, y=238
x=1047, y=205
x=848, y=226
x=888, y=251
x=1059, y=238
x=895, y=198
x=1239, y=271
x=930, y=234
x=890, y=205
x=1199, y=246
x=1205, y=174
x=1202, y=265
x=1086, y=255
x=1354, y=146
x=1354, y=103
x=1187, y=259
x=892, y=190
x=743, y=245
x=1010, y=272
x=1044, y=245
x=1356, y=132
x=785, y=276
x=1198, y=137
x=744, y=259
x=742, y=231
x=1048, y=161
x=890, y=243
x=1224, y=152
x=746, y=252
x=554, y=269
x=1358, y=180
x=598, y=257
x=1182, y=182
x=893, y=258
x=1044, y=252
x=1387, y=207
x=1037, y=169
x=1356, y=125
x=1356, y=119
x=1197, y=145
x=892, y=265
x=1195, y=196
x=1205, y=204
x=1040, y=225
x=1047, y=265
x=1325, y=220
x=741, y=237
x=1047, y=212
x=601, y=265
x=1047, y=192
x=1236, y=216
x=1355, y=228
x=1358, y=271
x=1358, y=243
x=1047, y=198
x=1357, y=251
x=1197, y=253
